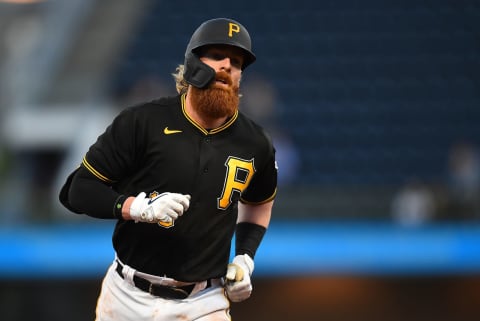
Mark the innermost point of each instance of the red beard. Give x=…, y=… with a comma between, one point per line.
x=216, y=102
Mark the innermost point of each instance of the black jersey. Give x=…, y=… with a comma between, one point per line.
x=156, y=147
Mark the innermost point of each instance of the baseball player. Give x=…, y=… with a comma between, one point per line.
x=181, y=175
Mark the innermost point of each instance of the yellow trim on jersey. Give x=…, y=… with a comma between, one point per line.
x=94, y=171
x=203, y=130
x=261, y=202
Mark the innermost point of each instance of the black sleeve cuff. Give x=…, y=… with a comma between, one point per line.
x=117, y=208
x=248, y=237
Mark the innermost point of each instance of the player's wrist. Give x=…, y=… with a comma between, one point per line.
x=117, y=207
x=126, y=208
x=248, y=238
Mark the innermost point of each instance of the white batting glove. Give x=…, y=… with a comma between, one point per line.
x=164, y=208
x=239, y=285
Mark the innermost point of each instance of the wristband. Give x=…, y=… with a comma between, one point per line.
x=248, y=237
x=117, y=207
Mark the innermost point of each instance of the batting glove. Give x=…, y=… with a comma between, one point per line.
x=239, y=285
x=164, y=208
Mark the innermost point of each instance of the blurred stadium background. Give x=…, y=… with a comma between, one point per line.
x=374, y=107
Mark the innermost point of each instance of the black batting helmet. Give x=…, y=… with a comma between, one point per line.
x=219, y=31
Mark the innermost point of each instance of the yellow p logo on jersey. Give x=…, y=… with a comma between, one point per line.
x=238, y=176
x=233, y=27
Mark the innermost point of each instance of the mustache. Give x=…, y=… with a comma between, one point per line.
x=225, y=77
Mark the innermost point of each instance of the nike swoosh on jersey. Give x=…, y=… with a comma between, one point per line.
x=167, y=131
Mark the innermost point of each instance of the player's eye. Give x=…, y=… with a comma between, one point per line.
x=236, y=62
x=215, y=55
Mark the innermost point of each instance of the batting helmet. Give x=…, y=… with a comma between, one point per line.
x=220, y=31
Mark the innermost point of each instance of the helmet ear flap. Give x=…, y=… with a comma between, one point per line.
x=197, y=73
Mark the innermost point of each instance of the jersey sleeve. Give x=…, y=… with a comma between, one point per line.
x=112, y=156
x=263, y=187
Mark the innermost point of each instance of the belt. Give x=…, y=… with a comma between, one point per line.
x=163, y=291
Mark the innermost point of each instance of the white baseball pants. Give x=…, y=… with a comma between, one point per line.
x=120, y=300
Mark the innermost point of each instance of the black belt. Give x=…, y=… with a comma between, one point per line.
x=163, y=291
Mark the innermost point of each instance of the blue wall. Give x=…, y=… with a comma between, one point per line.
x=289, y=249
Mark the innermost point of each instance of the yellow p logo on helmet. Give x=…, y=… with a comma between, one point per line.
x=233, y=27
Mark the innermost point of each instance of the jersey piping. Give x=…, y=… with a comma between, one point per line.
x=261, y=202
x=203, y=130
x=94, y=171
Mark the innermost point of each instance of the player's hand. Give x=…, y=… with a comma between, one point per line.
x=238, y=283
x=163, y=208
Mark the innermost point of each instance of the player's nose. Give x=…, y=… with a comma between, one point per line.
x=225, y=64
